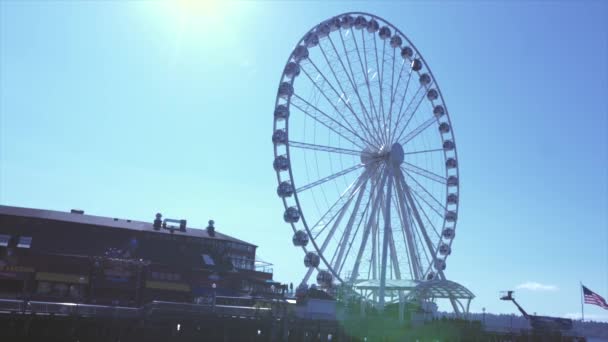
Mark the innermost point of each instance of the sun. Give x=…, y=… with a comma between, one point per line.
x=191, y=26
x=197, y=8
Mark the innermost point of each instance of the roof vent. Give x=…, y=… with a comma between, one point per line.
x=158, y=221
x=211, y=228
x=77, y=211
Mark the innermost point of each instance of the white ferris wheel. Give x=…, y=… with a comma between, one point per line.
x=365, y=158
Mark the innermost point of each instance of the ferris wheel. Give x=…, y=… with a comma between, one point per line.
x=365, y=157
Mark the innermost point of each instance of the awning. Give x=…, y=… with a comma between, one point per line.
x=165, y=285
x=62, y=277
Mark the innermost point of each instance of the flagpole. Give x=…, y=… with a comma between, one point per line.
x=582, y=303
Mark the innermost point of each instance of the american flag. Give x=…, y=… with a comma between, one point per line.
x=594, y=298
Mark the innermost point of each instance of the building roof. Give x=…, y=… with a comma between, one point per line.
x=110, y=222
x=435, y=288
x=438, y=288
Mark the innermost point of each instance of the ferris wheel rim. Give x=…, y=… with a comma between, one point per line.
x=291, y=177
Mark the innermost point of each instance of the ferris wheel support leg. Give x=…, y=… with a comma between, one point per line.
x=374, y=263
x=359, y=186
x=428, y=241
x=362, y=308
x=307, y=276
x=387, y=228
x=348, y=230
x=370, y=222
x=452, y=300
x=394, y=258
x=401, y=306
x=425, y=234
x=406, y=226
x=393, y=252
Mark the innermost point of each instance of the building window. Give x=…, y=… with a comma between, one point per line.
x=241, y=262
x=24, y=242
x=4, y=239
x=208, y=260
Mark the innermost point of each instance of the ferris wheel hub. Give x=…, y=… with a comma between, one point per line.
x=396, y=154
x=392, y=155
x=370, y=155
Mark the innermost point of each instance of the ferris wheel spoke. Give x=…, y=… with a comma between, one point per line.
x=307, y=276
x=352, y=83
x=391, y=98
x=331, y=149
x=439, y=208
x=422, y=172
x=348, y=228
x=417, y=236
x=421, y=247
x=370, y=223
x=365, y=71
x=339, y=205
x=424, y=212
x=334, y=226
x=403, y=98
x=409, y=234
x=334, y=211
x=351, y=129
x=380, y=81
x=409, y=247
x=338, y=252
x=417, y=130
x=370, y=99
x=328, y=117
x=368, y=206
x=417, y=97
x=424, y=151
x=327, y=125
x=345, y=102
x=352, y=241
x=421, y=228
x=330, y=177
x=396, y=89
x=415, y=197
x=318, y=228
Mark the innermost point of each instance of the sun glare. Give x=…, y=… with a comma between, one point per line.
x=191, y=26
x=193, y=9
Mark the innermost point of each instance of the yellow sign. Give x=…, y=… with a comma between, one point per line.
x=62, y=277
x=23, y=269
x=164, y=285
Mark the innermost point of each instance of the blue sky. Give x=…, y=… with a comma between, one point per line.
x=126, y=109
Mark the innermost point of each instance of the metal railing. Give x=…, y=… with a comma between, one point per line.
x=152, y=309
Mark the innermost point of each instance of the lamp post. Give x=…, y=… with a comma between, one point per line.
x=213, y=286
x=484, y=316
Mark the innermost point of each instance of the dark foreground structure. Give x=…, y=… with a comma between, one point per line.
x=72, y=257
x=67, y=276
x=30, y=327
